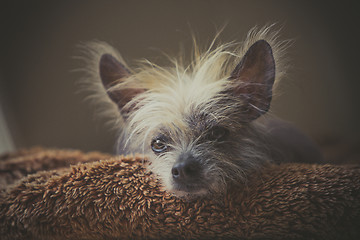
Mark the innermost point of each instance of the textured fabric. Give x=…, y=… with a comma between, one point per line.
x=106, y=197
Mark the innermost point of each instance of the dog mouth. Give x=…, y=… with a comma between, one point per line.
x=183, y=189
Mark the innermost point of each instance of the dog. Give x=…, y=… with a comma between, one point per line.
x=203, y=124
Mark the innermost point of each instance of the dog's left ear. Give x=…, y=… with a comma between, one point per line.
x=253, y=80
x=111, y=73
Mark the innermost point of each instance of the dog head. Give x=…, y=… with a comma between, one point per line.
x=194, y=122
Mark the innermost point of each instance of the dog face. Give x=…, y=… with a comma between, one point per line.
x=195, y=122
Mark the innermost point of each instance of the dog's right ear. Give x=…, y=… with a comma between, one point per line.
x=253, y=80
x=113, y=72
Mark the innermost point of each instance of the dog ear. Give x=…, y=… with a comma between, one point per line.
x=253, y=80
x=113, y=72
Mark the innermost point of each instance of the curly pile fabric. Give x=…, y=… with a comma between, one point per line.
x=105, y=197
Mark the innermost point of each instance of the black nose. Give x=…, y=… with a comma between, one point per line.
x=186, y=168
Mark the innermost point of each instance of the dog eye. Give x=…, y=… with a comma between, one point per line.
x=158, y=145
x=218, y=134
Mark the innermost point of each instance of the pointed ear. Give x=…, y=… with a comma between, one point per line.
x=111, y=73
x=253, y=80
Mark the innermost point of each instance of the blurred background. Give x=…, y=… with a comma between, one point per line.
x=40, y=101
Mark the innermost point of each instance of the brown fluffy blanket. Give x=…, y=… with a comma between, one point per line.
x=105, y=197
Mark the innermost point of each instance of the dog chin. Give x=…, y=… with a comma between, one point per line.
x=188, y=191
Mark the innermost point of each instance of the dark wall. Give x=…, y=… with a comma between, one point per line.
x=40, y=94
